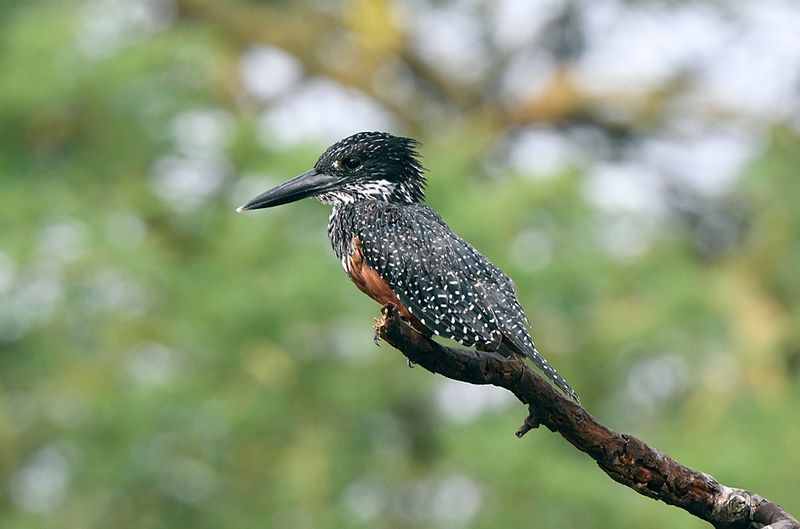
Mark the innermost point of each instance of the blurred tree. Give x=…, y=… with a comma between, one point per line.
x=633, y=165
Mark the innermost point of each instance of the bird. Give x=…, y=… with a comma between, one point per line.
x=396, y=249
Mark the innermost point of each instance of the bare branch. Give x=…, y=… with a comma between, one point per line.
x=623, y=457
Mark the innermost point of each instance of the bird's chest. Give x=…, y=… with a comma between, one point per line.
x=349, y=249
x=366, y=278
x=341, y=232
x=370, y=282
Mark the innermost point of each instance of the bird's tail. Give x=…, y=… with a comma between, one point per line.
x=544, y=366
x=552, y=374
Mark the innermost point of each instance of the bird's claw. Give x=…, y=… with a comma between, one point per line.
x=410, y=363
x=376, y=338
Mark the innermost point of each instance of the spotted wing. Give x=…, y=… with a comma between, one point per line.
x=454, y=290
x=434, y=273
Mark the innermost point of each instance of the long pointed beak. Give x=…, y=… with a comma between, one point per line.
x=305, y=185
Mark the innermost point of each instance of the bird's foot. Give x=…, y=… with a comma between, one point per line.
x=410, y=363
x=388, y=312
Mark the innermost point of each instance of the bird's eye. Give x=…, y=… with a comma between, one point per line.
x=351, y=162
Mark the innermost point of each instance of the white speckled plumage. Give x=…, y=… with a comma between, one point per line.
x=396, y=248
x=454, y=290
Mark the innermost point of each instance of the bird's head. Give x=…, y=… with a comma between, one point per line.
x=367, y=165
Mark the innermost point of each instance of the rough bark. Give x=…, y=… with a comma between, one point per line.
x=624, y=458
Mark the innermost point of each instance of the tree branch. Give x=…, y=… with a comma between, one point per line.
x=623, y=457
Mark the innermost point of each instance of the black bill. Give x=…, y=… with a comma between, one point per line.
x=305, y=185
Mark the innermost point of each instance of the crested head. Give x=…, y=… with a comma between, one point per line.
x=364, y=166
x=373, y=165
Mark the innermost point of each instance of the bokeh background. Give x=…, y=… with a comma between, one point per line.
x=166, y=363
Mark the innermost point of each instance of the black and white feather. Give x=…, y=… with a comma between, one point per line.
x=376, y=185
x=373, y=165
x=446, y=283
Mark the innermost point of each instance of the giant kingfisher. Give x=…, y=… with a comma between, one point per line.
x=398, y=250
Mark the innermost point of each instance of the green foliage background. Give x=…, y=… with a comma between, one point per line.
x=166, y=366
